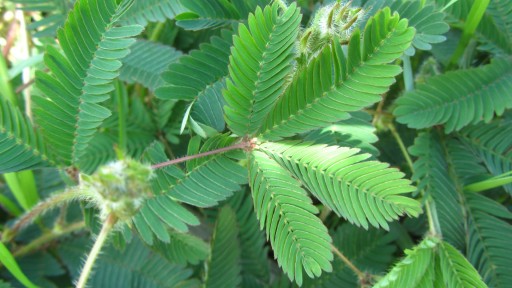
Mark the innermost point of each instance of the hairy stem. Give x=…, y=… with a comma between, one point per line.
x=95, y=251
x=359, y=273
x=42, y=207
x=48, y=237
x=241, y=145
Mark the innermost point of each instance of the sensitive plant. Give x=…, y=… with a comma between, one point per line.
x=258, y=143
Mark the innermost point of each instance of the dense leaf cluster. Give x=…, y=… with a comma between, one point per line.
x=294, y=120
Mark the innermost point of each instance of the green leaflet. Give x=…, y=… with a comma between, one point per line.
x=363, y=192
x=146, y=11
x=432, y=172
x=200, y=77
x=210, y=181
x=54, y=11
x=253, y=251
x=223, y=266
x=146, y=62
x=68, y=110
x=340, y=83
x=183, y=248
x=210, y=14
x=456, y=270
x=492, y=144
x=415, y=270
x=425, y=18
x=489, y=237
x=259, y=64
x=21, y=147
x=457, y=99
x=134, y=266
x=356, y=131
x=192, y=75
x=299, y=239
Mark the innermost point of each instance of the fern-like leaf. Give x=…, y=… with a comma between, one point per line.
x=210, y=14
x=253, y=254
x=361, y=191
x=425, y=18
x=146, y=62
x=146, y=11
x=457, y=99
x=357, y=132
x=341, y=83
x=204, y=185
x=299, y=239
x=432, y=173
x=21, y=147
x=223, y=268
x=260, y=61
x=456, y=270
x=492, y=144
x=69, y=112
x=159, y=213
x=193, y=74
x=135, y=266
x=54, y=11
x=489, y=237
x=200, y=77
x=415, y=270
x=183, y=248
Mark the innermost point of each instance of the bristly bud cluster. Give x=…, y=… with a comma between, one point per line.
x=334, y=21
x=119, y=188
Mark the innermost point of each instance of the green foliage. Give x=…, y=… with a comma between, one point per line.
x=459, y=98
x=146, y=62
x=68, y=111
x=488, y=238
x=142, y=12
x=363, y=192
x=258, y=67
x=223, y=266
x=19, y=142
x=298, y=238
x=415, y=270
x=267, y=140
x=329, y=100
x=424, y=17
x=432, y=173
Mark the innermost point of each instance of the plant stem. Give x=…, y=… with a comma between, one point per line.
x=95, y=251
x=43, y=207
x=347, y=262
x=398, y=139
x=157, y=31
x=475, y=15
x=241, y=145
x=433, y=223
x=48, y=237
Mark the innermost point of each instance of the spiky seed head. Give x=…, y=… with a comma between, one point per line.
x=119, y=188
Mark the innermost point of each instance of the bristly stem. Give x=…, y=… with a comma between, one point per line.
x=42, y=207
x=95, y=251
x=360, y=274
x=246, y=144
